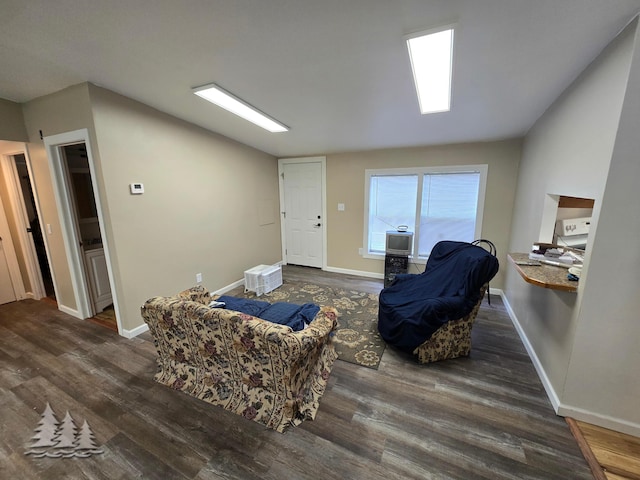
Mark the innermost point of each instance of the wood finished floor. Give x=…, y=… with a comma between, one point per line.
x=614, y=455
x=486, y=416
x=106, y=318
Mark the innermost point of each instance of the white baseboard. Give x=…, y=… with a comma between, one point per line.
x=357, y=273
x=135, y=332
x=231, y=286
x=560, y=408
x=603, y=421
x=546, y=383
x=70, y=311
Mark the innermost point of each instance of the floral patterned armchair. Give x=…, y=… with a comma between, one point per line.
x=260, y=370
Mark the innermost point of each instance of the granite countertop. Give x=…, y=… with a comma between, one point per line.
x=546, y=276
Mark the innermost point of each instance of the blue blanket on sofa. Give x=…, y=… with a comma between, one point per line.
x=295, y=316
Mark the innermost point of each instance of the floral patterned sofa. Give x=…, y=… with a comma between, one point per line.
x=261, y=370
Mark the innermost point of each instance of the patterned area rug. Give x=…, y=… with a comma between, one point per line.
x=356, y=338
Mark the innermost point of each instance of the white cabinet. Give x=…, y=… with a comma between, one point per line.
x=98, y=278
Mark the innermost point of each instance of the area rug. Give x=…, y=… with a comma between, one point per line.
x=356, y=338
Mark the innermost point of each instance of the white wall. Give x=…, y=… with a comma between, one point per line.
x=603, y=378
x=569, y=152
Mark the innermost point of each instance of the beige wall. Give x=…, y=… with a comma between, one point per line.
x=569, y=152
x=59, y=112
x=199, y=212
x=346, y=182
x=12, y=122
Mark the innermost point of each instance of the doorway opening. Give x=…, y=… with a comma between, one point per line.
x=78, y=203
x=22, y=216
x=29, y=202
x=87, y=225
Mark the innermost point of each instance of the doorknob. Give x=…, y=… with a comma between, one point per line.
x=318, y=225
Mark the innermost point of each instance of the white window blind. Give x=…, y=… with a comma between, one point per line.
x=392, y=202
x=448, y=209
x=436, y=203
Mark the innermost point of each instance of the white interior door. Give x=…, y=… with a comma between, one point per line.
x=303, y=213
x=98, y=278
x=11, y=286
x=7, y=293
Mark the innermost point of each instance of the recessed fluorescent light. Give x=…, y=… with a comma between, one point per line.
x=224, y=99
x=431, y=60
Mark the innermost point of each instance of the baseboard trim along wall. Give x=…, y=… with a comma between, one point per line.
x=136, y=331
x=560, y=408
x=603, y=421
x=546, y=383
x=358, y=273
x=231, y=286
x=70, y=311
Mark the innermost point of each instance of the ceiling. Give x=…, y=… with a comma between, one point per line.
x=337, y=72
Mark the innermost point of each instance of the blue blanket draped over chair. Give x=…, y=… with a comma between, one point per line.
x=414, y=306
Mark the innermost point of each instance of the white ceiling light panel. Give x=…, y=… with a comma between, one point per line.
x=431, y=56
x=217, y=95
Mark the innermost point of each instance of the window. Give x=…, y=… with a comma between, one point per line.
x=436, y=203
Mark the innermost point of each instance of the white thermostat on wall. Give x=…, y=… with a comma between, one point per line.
x=136, y=188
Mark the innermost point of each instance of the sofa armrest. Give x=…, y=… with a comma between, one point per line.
x=309, y=350
x=322, y=325
x=197, y=294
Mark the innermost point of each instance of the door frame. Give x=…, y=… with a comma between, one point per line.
x=16, y=199
x=323, y=168
x=62, y=190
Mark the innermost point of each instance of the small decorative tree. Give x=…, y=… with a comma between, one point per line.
x=66, y=433
x=45, y=436
x=85, y=443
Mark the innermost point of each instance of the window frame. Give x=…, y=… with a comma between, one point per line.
x=481, y=169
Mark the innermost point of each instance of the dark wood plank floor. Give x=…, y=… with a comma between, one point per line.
x=485, y=416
